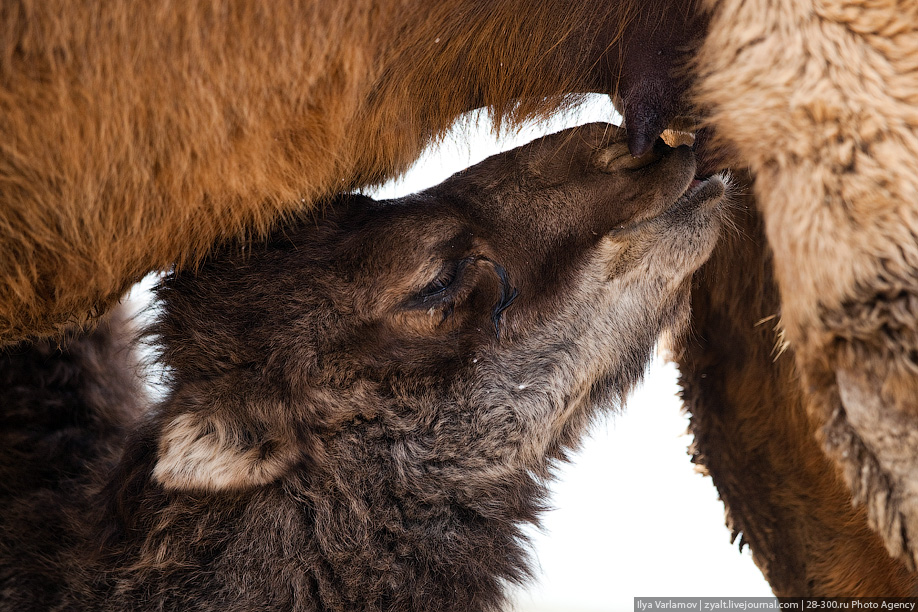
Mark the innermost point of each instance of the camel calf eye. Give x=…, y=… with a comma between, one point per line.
x=445, y=279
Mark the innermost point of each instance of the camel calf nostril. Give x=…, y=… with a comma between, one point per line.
x=612, y=157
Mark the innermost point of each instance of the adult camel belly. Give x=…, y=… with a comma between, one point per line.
x=137, y=137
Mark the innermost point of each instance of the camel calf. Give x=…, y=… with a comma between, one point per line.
x=363, y=410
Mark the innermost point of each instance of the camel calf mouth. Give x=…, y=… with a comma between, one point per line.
x=703, y=191
x=699, y=194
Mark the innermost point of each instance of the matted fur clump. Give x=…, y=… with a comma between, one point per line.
x=363, y=410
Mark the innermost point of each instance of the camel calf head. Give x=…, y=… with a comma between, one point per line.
x=363, y=410
x=480, y=319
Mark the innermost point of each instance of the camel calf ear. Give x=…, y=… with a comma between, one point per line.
x=210, y=453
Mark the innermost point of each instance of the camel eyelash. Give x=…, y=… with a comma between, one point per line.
x=444, y=284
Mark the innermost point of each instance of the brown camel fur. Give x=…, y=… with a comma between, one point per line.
x=136, y=136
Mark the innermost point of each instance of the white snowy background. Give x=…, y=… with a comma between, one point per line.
x=632, y=517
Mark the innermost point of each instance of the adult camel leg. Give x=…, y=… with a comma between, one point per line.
x=782, y=494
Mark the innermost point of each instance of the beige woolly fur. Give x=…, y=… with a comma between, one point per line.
x=203, y=453
x=819, y=99
x=784, y=497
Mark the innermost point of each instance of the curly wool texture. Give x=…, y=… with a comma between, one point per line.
x=783, y=495
x=819, y=98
